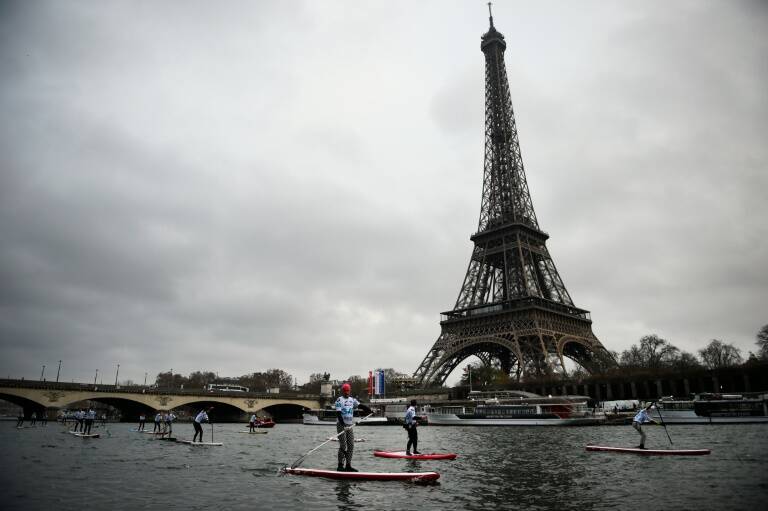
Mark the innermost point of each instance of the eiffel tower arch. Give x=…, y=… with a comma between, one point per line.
x=513, y=310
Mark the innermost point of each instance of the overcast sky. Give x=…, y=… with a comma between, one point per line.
x=237, y=186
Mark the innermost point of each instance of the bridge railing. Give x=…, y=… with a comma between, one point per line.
x=142, y=389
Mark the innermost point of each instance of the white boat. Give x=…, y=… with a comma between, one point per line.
x=712, y=409
x=525, y=410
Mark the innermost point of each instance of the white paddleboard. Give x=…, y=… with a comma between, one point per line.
x=650, y=452
x=190, y=442
x=83, y=435
x=257, y=432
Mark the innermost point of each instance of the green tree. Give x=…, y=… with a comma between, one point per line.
x=719, y=354
x=200, y=379
x=170, y=380
x=483, y=375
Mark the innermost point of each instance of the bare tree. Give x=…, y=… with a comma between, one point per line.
x=685, y=361
x=762, y=343
x=652, y=353
x=720, y=354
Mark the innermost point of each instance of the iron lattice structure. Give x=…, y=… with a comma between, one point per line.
x=513, y=310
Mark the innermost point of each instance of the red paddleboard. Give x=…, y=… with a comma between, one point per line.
x=402, y=454
x=650, y=452
x=364, y=476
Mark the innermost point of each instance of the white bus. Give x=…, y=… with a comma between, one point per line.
x=225, y=387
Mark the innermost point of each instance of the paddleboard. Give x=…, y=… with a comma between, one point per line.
x=257, y=432
x=365, y=476
x=423, y=456
x=336, y=439
x=190, y=442
x=650, y=452
x=83, y=435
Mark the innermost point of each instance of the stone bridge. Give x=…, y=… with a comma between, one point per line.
x=47, y=397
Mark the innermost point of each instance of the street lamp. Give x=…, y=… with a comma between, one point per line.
x=58, y=371
x=145, y=379
x=116, y=373
x=95, y=376
x=42, y=373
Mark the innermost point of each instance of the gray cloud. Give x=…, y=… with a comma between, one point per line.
x=261, y=185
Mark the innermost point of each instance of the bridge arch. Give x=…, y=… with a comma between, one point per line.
x=487, y=348
x=27, y=404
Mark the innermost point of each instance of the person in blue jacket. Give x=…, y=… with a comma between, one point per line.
x=641, y=418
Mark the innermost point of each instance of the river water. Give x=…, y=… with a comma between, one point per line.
x=498, y=468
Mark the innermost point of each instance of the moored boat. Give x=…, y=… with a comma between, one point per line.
x=523, y=410
x=710, y=408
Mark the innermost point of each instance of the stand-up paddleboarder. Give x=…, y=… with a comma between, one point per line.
x=252, y=423
x=79, y=420
x=158, y=420
x=410, y=426
x=89, y=418
x=169, y=418
x=199, y=419
x=641, y=418
x=345, y=409
x=142, y=421
x=20, y=419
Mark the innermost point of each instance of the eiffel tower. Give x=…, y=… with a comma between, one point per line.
x=513, y=311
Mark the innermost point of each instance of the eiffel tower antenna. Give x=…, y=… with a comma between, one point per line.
x=490, y=14
x=513, y=310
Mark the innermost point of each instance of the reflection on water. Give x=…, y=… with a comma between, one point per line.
x=497, y=468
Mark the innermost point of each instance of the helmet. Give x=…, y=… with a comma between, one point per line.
x=346, y=387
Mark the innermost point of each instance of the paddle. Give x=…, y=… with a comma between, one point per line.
x=658, y=410
x=211, y=432
x=300, y=460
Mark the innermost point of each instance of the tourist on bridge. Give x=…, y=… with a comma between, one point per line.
x=345, y=409
x=142, y=421
x=641, y=418
x=158, y=421
x=199, y=419
x=89, y=418
x=410, y=426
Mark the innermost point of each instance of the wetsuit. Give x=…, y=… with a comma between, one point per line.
x=345, y=406
x=199, y=419
x=410, y=426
